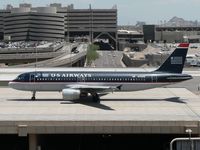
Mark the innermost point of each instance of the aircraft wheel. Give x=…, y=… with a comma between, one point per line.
x=33, y=97
x=96, y=98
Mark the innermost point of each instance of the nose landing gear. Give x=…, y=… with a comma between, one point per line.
x=33, y=96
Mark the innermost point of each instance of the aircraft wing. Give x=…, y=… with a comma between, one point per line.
x=93, y=88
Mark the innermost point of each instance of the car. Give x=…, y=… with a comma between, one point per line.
x=73, y=49
x=194, y=46
x=75, y=52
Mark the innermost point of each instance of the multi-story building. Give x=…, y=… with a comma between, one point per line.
x=94, y=23
x=171, y=34
x=57, y=22
x=176, y=34
x=42, y=23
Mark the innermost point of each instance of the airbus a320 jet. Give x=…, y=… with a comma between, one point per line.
x=75, y=83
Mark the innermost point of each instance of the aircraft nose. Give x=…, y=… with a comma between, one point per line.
x=12, y=84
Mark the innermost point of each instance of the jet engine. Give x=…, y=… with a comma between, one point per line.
x=71, y=94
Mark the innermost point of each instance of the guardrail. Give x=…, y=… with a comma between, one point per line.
x=190, y=139
x=30, y=55
x=30, y=49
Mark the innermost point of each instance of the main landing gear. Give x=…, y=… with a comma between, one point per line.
x=33, y=96
x=95, y=97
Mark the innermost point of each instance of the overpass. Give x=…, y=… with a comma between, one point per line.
x=66, y=58
x=166, y=111
x=161, y=111
x=21, y=55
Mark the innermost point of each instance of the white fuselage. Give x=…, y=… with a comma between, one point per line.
x=124, y=78
x=49, y=86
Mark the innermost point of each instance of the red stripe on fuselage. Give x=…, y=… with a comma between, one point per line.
x=97, y=82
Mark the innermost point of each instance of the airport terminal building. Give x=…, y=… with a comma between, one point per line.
x=57, y=23
x=171, y=34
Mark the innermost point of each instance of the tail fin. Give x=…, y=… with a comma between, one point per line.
x=175, y=62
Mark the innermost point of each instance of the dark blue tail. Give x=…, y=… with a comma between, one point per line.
x=175, y=62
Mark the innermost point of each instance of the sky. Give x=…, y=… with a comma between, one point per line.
x=130, y=11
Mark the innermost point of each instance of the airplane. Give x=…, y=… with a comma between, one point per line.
x=75, y=83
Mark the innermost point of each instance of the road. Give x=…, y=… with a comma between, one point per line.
x=109, y=59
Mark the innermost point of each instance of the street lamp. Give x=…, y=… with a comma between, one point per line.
x=189, y=131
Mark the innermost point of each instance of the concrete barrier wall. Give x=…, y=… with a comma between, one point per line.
x=20, y=57
x=123, y=45
x=150, y=60
x=156, y=59
x=133, y=62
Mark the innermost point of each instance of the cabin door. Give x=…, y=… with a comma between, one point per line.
x=32, y=80
x=32, y=77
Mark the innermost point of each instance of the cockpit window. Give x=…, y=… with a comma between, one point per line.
x=22, y=77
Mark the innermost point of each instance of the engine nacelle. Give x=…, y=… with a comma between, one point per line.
x=71, y=94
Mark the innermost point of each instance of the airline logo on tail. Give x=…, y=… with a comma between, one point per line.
x=176, y=60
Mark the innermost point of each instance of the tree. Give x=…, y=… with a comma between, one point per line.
x=92, y=53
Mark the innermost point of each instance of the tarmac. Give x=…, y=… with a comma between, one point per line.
x=154, y=111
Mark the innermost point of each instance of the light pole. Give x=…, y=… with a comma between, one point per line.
x=189, y=131
x=71, y=46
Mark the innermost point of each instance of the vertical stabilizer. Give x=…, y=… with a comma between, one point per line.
x=175, y=62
